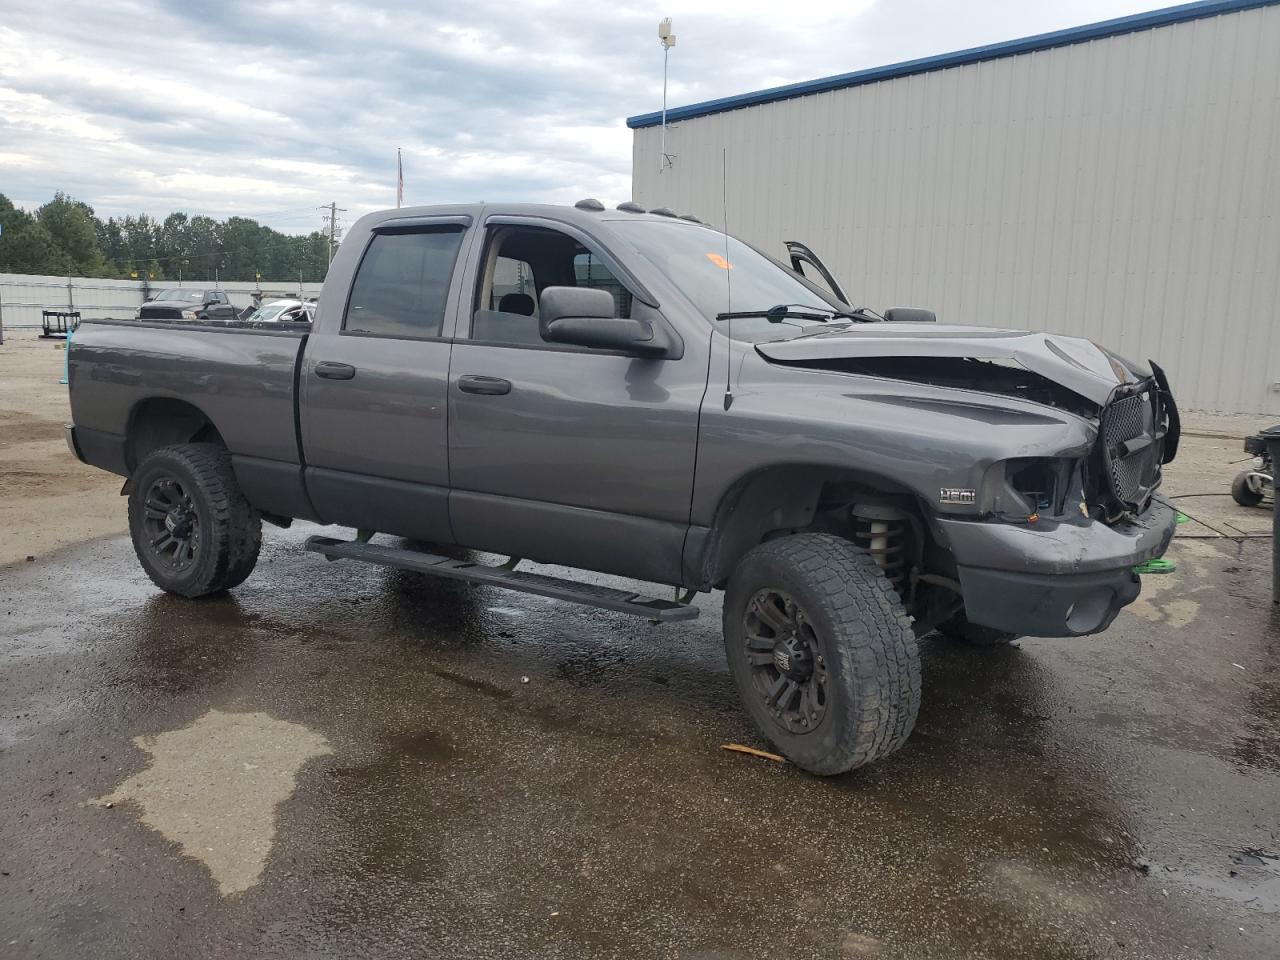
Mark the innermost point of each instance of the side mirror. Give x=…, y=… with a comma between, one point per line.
x=910, y=315
x=584, y=317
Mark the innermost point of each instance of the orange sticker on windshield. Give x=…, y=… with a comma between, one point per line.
x=719, y=261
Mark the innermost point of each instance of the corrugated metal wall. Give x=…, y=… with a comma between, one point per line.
x=1126, y=189
x=23, y=297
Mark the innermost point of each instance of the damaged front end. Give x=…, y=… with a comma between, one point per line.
x=1042, y=516
x=1138, y=432
x=1131, y=408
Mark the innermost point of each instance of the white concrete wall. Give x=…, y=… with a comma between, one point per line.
x=1125, y=189
x=23, y=297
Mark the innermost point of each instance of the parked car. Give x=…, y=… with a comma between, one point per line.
x=283, y=311
x=634, y=394
x=183, y=303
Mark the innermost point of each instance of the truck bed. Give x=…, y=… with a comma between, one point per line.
x=243, y=376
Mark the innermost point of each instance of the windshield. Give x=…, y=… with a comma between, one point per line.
x=195, y=296
x=697, y=260
x=270, y=312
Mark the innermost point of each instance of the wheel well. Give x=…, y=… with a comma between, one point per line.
x=781, y=500
x=161, y=421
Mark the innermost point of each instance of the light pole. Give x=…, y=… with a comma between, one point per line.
x=668, y=40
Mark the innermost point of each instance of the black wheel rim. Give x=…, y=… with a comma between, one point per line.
x=788, y=667
x=171, y=525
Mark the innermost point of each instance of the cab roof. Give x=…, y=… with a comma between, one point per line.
x=578, y=214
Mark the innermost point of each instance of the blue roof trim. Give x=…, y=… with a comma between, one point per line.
x=992, y=51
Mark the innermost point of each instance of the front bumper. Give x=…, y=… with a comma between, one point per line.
x=1055, y=579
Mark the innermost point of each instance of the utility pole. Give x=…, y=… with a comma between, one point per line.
x=332, y=218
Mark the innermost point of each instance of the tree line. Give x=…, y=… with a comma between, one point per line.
x=65, y=238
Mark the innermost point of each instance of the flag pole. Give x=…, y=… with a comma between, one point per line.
x=399, y=180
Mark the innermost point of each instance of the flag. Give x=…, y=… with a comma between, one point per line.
x=399, y=180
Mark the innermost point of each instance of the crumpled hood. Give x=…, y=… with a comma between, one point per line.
x=1079, y=365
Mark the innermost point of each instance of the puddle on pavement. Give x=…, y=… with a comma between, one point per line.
x=1250, y=876
x=467, y=805
x=214, y=787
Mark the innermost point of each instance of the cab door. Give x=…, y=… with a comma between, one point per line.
x=375, y=391
x=565, y=454
x=218, y=306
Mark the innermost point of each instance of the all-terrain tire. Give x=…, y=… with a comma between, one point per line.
x=974, y=634
x=226, y=529
x=862, y=641
x=1241, y=492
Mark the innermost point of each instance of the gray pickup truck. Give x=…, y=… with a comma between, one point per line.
x=636, y=393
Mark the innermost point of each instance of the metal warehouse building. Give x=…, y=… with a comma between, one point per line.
x=1118, y=181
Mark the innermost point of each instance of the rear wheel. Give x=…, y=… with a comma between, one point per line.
x=192, y=529
x=974, y=634
x=821, y=652
x=1243, y=492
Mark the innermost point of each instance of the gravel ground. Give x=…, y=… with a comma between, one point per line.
x=47, y=498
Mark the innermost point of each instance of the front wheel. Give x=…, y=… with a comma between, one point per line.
x=821, y=652
x=192, y=529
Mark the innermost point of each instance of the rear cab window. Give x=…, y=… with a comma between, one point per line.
x=402, y=284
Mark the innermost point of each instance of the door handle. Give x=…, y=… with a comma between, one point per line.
x=486, y=386
x=335, y=371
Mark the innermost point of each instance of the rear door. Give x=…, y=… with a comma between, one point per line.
x=374, y=394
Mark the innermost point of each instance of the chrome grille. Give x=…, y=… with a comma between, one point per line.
x=1131, y=446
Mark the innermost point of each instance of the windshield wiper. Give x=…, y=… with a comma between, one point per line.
x=787, y=311
x=780, y=312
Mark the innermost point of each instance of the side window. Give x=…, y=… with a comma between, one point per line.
x=520, y=263
x=512, y=283
x=589, y=271
x=402, y=283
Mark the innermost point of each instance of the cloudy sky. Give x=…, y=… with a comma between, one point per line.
x=268, y=109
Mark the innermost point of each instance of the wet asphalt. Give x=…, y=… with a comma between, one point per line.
x=344, y=761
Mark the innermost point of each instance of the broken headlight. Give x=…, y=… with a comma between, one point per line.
x=1033, y=487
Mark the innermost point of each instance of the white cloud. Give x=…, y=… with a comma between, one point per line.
x=269, y=110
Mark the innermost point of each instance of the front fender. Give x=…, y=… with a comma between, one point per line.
x=921, y=438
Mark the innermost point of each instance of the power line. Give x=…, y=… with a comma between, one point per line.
x=281, y=216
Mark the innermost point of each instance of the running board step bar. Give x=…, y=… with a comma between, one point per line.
x=588, y=594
